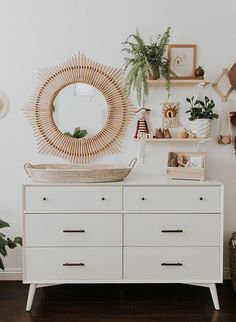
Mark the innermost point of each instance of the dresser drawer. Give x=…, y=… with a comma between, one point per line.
x=72, y=198
x=171, y=229
x=168, y=198
x=77, y=263
x=174, y=264
x=73, y=229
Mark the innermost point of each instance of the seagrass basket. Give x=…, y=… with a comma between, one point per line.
x=232, y=259
x=66, y=173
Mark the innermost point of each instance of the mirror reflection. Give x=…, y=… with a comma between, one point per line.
x=80, y=110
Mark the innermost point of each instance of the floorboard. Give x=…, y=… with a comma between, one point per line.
x=116, y=303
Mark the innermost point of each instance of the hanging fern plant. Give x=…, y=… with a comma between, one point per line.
x=145, y=62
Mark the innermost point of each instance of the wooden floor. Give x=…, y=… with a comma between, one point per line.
x=116, y=303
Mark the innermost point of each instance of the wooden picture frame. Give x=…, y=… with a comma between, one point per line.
x=183, y=60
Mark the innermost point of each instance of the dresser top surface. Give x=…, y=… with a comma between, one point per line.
x=138, y=180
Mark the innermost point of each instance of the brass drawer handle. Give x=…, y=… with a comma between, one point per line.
x=73, y=264
x=73, y=231
x=172, y=231
x=171, y=264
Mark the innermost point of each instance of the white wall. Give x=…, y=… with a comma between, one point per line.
x=38, y=33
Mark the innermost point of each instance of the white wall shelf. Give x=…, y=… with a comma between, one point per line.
x=197, y=141
x=180, y=82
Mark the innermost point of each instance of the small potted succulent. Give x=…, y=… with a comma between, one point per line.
x=6, y=242
x=201, y=114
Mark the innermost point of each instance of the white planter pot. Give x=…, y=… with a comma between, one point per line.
x=201, y=128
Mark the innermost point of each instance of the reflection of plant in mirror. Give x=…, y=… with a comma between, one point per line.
x=78, y=133
x=6, y=242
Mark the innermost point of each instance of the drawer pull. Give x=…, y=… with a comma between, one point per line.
x=171, y=264
x=201, y=198
x=103, y=198
x=143, y=198
x=44, y=198
x=172, y=231
x=73, y=231
x=73, y=264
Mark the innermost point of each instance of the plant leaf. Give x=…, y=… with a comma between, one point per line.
x=3, y=224
x=1, y=265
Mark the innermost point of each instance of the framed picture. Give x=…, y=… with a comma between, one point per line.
x=182, y=60
x=196, y=161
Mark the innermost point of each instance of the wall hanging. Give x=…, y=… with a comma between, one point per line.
x=39, y=110
x=222, y=84
x=3, y=105
x=170, y=117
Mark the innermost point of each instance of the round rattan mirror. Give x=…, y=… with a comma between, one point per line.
x=39, y=110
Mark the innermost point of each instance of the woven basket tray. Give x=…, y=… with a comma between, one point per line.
x=63, y=173
x=232, y=259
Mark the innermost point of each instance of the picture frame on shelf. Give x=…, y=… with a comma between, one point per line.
x=182, y=60
x=196, y=161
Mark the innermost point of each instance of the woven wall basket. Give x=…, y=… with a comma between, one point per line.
x=79, y=69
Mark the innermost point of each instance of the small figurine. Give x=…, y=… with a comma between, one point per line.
x=142, y=127
x=199, y=72
x=159, y=134
x=166, y=133
x=183, y=134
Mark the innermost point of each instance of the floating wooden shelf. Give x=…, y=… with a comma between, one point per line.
x=197, y=141
x=179, y=82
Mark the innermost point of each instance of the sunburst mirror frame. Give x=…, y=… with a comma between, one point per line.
x=39, y=110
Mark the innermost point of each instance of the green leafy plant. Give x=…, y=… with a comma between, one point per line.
x=78, y=133
x=201, y=109
x=6, y=242
x=145, y=62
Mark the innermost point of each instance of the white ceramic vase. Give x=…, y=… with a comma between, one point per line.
x=201, y=128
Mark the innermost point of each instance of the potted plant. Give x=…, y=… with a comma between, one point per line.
x=145, y=62
x=201, y=114
x=6, y=242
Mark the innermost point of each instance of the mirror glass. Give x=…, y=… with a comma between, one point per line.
x=80, y=110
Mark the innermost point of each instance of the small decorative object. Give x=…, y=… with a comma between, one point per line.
x=67, y=173
x=142, y=127
x=232, y=259
x=225, y=132
x=78, y=133
x=183, y=134
x=199, y=72
x=3, y=105
x=166, y=133
x=224, y=139
x=201, y=113
x=145, y=62
x=191, y=134
x=7, y=242
x=170, y=117
x=182, y=58
x=159, y=134
x=223, y=81
x=186, y=165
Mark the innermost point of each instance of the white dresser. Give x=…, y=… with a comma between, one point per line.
x=145, y=229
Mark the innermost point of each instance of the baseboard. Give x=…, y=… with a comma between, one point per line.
x=15, y=274
x=11, y=274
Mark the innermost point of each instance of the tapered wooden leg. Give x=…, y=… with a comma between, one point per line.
x=30, y=299
x=214, y=296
